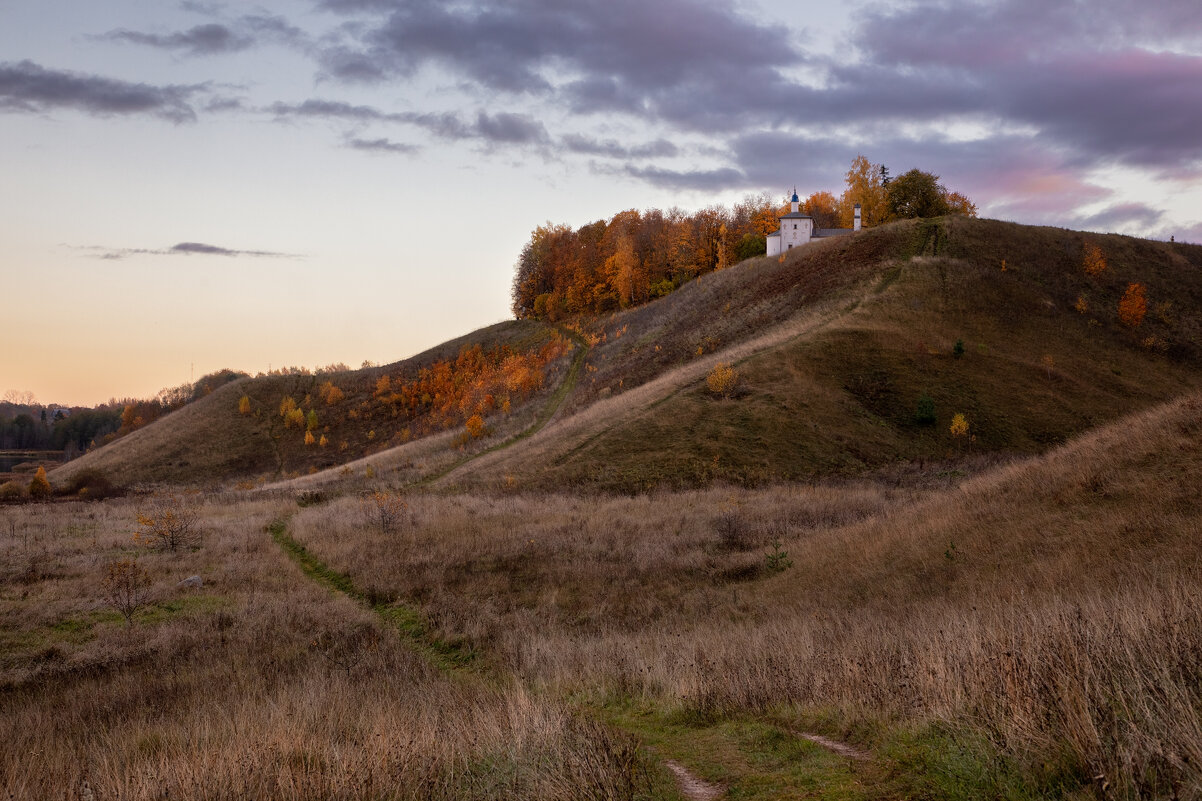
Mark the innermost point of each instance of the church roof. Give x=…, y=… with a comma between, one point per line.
x=796, y=215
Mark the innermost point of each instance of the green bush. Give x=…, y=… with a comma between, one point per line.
x=924, y=411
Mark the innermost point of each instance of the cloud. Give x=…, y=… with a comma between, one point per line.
x=381, y=146
x=200, y=40
x=701, y=179
x=26, y=86
x=1127, y=217
x=525, y=46
x=217, y=38
x=502, y=128
x=611, y=148
x=183, y=249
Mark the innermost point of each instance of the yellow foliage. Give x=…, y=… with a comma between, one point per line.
x=287, y=406
x=959, y=428
x=309, y=440
x=294, y=418
x=324, y=441
x=722, y=379
x=371, y=434
x=39, y=487
x=383, y=386
x=330, y=393
x=1082, y=305
x=244, y=405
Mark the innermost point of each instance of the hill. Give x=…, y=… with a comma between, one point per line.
x=277, y=426
x=854, y=355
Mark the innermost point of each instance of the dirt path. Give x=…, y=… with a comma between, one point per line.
x=694, y=788
x=842, y=749
x=565, y=433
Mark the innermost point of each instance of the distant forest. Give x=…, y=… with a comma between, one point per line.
x=639, y=256
x=28, y=425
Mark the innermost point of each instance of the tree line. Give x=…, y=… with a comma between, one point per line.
x=28, y=425
x=638, y=256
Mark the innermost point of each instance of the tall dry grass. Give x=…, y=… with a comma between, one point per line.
x=1051, y=605
x=259, y=684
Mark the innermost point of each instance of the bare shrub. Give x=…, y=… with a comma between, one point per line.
x=169, y=524
x=385, y=510
x=126, y=586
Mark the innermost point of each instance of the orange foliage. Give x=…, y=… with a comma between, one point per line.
x=1133, y=306
x=475, y=426
x=1093, y=262
x=244, y=405
x=330, y=393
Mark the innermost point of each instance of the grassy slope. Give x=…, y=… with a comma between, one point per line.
x=841, y=399
x=210, y=441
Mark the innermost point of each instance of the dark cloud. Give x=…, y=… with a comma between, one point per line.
x=692, y=180
x=507, y=128
x=611, y=148
x=183, y=249
x=200, y=40
x=381, y=146
x=217, y=38
x=525, y=46
x=26, y=86
x=502, y=128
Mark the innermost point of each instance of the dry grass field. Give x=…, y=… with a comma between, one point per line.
x=1046, y=612
x=259, y=684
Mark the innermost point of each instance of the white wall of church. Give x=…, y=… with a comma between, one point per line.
x=795, y=232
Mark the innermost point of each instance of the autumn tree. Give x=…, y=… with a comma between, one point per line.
x=1133, y=305
x=126, y=587
x=863, y=181
x=39, y=486
x=331, y=394
x=824, y=208
x=1093, y=261
x=475, y=426
x=244, y=405
x=959, y=427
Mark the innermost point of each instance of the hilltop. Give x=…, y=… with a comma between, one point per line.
x=852, y=355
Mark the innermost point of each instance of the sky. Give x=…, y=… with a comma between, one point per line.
x=191, y=186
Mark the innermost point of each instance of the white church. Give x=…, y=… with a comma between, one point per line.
x=797, y=229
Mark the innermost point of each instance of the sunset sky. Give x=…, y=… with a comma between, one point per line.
x=198, y=185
